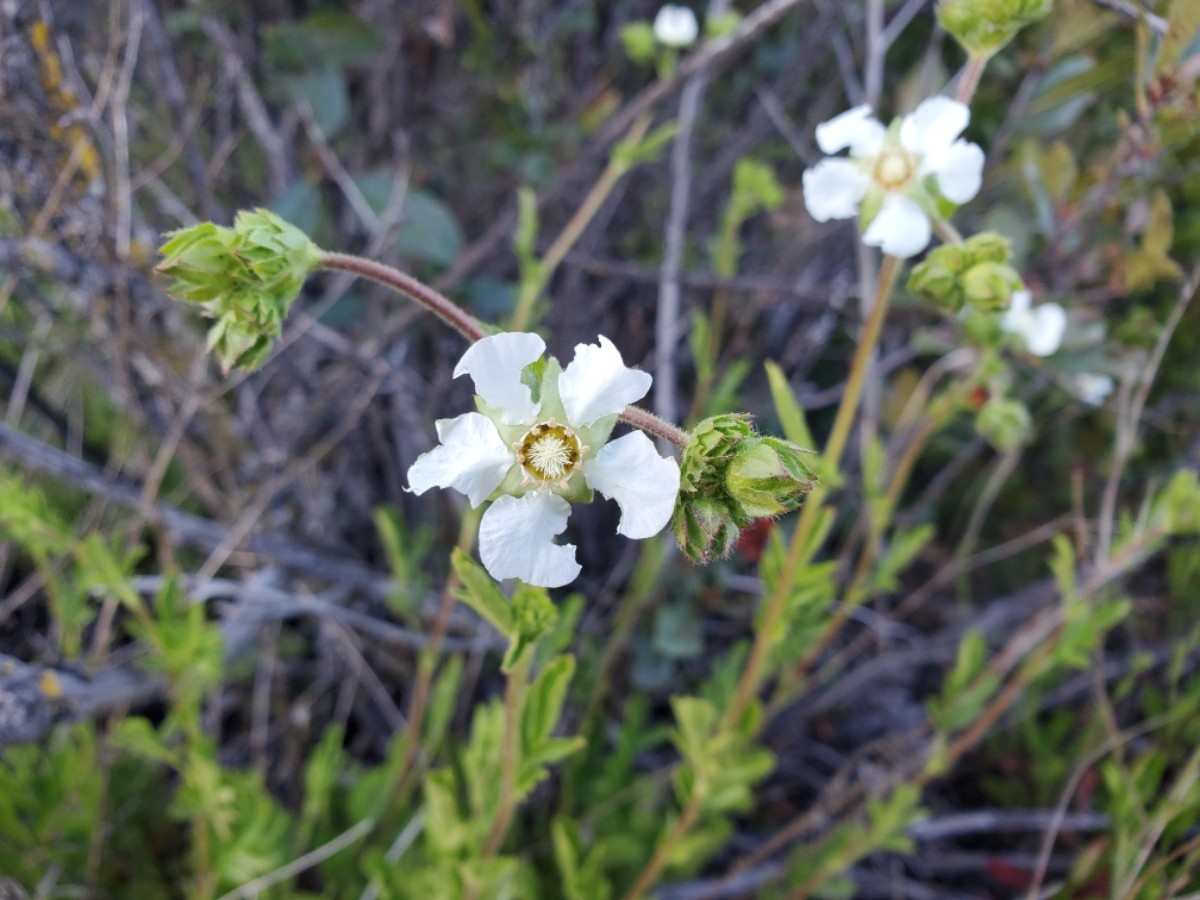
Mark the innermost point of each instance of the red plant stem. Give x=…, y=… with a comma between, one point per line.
x=470, y=328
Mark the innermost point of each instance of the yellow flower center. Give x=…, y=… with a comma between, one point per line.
x=893, y=169
x=549, y=452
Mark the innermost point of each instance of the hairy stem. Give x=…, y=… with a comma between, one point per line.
x=470, y=328
x=442, y=307
x=969, y=81
x=752, y=674
x=510, y=757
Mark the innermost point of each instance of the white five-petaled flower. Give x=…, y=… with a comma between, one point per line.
x=1093, y=389
x=1042, y=329
x=538, y=441
x=676, y=26
x=897, y=175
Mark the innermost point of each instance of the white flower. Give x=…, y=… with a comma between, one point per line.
x=676, y=26
x=897, y=175
x=1093, y=389
x=535, y=449
x=1042, y=328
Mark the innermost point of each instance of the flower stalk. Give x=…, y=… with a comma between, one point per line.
x=752, y=674
x=514, y=692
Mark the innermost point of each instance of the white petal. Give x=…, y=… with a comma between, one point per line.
x=1018, y=305
x=494, y=364
x=1046, y=334
x=516, y=540
x=900, y=229
x=959, y=171
x=644, y=484
x=856, y=129
x=597, y=383
x=472, y=459
x=676, y=26
x=833, y=189
x=1093, y=389
x=933, y=125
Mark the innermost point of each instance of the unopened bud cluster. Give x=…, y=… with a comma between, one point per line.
x=974, y=274
x=729, y=477
x=984, y=27
x=246, y=277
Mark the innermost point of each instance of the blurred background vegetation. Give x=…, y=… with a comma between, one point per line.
x=219, y=608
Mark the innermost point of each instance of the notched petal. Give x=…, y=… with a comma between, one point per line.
x=597, y=383
x=472, y=458
x=516, y=540
x=644, y=484
x=933, y=125
x=856, y=129
x=833, y=189
x=494, y=364
x=901, y=228
x=959, y=171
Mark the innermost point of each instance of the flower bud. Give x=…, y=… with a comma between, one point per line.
x=767, y=477
x=990, y=285
x=704, y=529
x=972, y=274
x=984, y=27
x=1004, y=423
x=246, y=277
x=729, y=477
x=938, y=278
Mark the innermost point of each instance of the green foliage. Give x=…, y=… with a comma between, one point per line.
x=815, y=869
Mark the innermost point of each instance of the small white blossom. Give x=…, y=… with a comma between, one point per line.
x=897, y=176
x=1093, y=389
x=535, y=449
x=1042, y=329
x=676, y=26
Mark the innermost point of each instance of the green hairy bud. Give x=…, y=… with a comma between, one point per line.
x=973, y=274
x=246, y=277
x=767, y=477
x=1005, y=424
x=984, y=27
x=990, y=285
x=730, y=476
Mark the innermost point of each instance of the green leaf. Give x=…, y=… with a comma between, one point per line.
x=137, y=736
x=695, y=721
x=902, y=550
x=791, y=416
x=1151, y=261
x=629, y=153
x=639, y=43
x=677, y=633
x=301, y=205
x=1062, y=565
x=323, y=91
x=429, y=231
x=330, y=37
x=479, y=592
x=544, y=702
